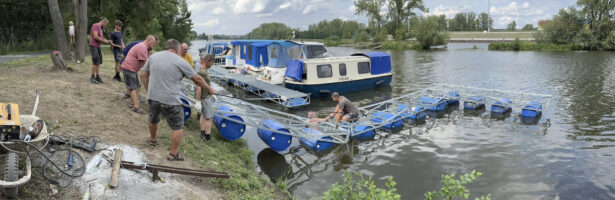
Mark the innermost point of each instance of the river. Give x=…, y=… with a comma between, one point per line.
x=570, y=159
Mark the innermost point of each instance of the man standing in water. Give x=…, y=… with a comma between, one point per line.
x=96, y=37
x=345, y=110
x=162, y=76
x=205, y=101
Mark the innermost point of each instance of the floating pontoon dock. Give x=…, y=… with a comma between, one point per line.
x=271, y=92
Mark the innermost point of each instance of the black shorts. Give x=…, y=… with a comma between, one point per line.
x=351, y=116
x=173, y=113
x=117, y=54
x=96, y=55
x=131, y=79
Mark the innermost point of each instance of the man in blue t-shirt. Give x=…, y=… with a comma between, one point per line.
x=118, y=44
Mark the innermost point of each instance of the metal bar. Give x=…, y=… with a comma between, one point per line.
x=175, y=170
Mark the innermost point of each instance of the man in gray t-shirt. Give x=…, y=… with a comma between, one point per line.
x=345, y=110
x=162, y=75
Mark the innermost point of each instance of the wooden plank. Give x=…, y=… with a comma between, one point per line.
x=116, y=168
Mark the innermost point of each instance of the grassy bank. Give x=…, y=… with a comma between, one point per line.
x=387, y=45
x=70, y=102
x=532, y=46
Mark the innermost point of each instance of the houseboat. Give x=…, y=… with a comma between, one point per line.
x=308, y=67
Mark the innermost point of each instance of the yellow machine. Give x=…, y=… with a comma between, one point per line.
x=9, y=121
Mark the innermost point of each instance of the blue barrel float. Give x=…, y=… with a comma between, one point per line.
x=363, y=132
x=474, y=103
x=414, y=113
x=452, y=98
x=382, y=117
x=186, y=108
x=436, y=104
x=532, y=110
x=501, y=106
x=229, y=127
x=272, y=134
x=315, y=144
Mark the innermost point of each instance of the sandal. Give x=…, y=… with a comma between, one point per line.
x=152, y=143
x=137, y=110
x=176, y=157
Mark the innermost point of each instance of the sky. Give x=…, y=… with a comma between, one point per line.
x=238, y=17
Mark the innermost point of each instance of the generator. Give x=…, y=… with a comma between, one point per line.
x=9, y=121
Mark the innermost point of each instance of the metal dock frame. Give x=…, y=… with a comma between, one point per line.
x=271, y=92
x=253, y=115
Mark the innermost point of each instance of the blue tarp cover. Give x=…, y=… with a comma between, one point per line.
x=294, y=70
x=380, y=62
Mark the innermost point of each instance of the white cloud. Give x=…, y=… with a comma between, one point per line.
x=448, y=11
x=240, y=6
x=284, y=6
x=217, y=11
x=258, y=7
x=352, y=8
x=210, y=22
x=309, y=9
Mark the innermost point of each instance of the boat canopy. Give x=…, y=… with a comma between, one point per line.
x=294, y=70
x=270, y=53
x=380, y=62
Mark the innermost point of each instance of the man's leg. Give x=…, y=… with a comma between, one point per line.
x=176, y=138
x=134, y=98
x=338, y=115
x=153, y=131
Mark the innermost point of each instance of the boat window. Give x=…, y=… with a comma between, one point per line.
x=324, y=71
x=274, y=52
x=316, y=51
x=249, y=52
x=294, y=52
x=363, y=67
x=342, y=69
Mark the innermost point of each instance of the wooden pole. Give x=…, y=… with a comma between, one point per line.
x=116, y=168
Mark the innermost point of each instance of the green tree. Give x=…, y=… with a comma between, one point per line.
x=372, y=9
x=466, y=21
x=274, y=31
x=598, y=15
x=485, y=22
x=427, y=33
x=528, y=27
x=454, y=187
x=363, y=37
x=564, y=28
x=512, y=26
x=400, y=10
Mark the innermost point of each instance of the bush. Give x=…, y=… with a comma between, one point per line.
x=454, y=187
x=529, y=46
x=363, y=37
x=381, y=36
x=361, y=188
x=428, y=34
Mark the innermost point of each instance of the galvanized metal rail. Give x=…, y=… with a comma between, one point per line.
x=275, y=93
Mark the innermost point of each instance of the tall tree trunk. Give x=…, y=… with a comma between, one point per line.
x=58, y=28
x=81, y=34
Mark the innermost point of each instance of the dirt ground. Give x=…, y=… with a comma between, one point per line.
x=70, y=103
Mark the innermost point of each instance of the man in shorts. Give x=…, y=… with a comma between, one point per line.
x=136, y=58
x=162, y=76
x=96, y=37
x=118, y=44
x=345, y=110
x=205, y=101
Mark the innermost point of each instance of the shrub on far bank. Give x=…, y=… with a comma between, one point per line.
x=519, y=45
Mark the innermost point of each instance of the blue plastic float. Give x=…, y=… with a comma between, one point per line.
x=532, y=110
x=474, y=103
x=229, y=129
x=382, y=117
x=275, y=139
x=187, y=109
x=452, y=98
x=362, y=132
x=315, y=144
x=436, y=104
x=501, y=106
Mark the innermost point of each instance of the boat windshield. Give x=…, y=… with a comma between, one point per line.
x=317, y=51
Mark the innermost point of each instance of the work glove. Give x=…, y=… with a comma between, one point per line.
x=198, y=106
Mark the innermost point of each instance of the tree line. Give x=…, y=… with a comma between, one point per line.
x=589, y=24
x=27, y=25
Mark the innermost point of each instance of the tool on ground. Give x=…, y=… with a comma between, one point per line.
x=115, y=171
x=80, y=144
x=160, y=168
